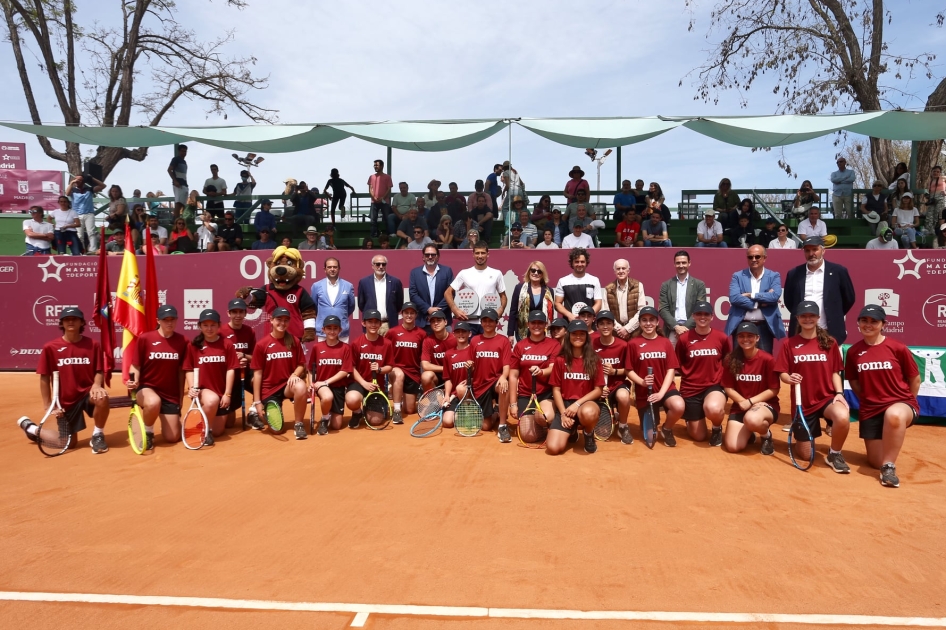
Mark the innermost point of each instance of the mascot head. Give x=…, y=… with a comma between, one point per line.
x=285, y=268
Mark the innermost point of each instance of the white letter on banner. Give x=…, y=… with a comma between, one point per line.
x=255, y=274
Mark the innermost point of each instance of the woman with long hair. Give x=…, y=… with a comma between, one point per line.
x=542, y=211
x=444, y=234
x=752, y=384
x=532, y=294
x=193, y=207
x=181, y=239
x=216, y=359
x=532, y=359
x=900, y=188
x=805, y=198
x=338, y=194
x=811, y=358
x=279, y=371
x=576, y=380
x=648, y=348
x=883, y=374
x=66, y=230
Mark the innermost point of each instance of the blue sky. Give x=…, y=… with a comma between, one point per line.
x=432, y=60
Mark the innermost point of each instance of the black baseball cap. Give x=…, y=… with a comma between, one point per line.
x=371, y=314
x=438, y=314
x=559, y=322
x=236, y=304
x=648, y=310
x=874, y=312
x=516, y=226
x=537, y=316
x=71, y=311
x=577, y=325
x=815, y=241
x=264, y=202
x=490, y=313
x=605, y=315
x=807, y=308
x=747, y=327
x=209, y=315
x=409, y=305
x=464, y=326
x=332, y=320
x=281, y=312
x=586, y=309
x=167, y=311
x=703, y=307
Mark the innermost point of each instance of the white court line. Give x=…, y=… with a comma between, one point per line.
x=362, y=611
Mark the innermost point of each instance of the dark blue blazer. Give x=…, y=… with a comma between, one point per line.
x=366, y=297
x=420, y=294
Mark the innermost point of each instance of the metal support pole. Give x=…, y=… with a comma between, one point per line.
x=390, y=172
x=617, y=186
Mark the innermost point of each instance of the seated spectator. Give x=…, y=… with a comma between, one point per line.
x=578, y=238
x=327, y=241
x=206, y=233
x=384, y=242
x=805, y=198
x=156, y=247
x=746, y=208
x=66, y=231
x=433, y=187
x=461, y=227
x=229, y=236
x=884, y=240
x=514, y=239
x=654, y=232
x=572, y=208
x=743, y=235
x=406, y=230
x=547, y=242
x=576, y=183
x=478, y=189
x=444, y=234
x=542, y=212
x=900, y=171
x=906, y=220
x=655, y=194
x=813, y=226
x=583, y=220
x=138, y=220
x=157, y=229
x=725, y=201
x=265, y=241
x=769, y=233
x=400, y=204
x=264, y=221
x=629, y=227
x=530, y=234
x=181, y=238
x=640, y=195
x=455, y=210
x=653, y=206
x=116, y=244
x=435, y=210
x=782, y=241
x=39, y=233
x=311, y=241
x=876, y=202
x=454, y=194
x=368, y=243
x=420, y=239
x=286, y=241
x=192, y=208
x=559, y=227
x=901, y=188
x=624, y=201
x=117, y=214
x=472, y=238
x=483, y=217
x=709, y=232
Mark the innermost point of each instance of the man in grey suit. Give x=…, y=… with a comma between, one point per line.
x=678, y=295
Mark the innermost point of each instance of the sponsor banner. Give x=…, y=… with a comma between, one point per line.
x=911, y=285
x=20, y=189
x=12, y=155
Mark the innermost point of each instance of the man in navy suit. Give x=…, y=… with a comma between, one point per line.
x=333, y=296
x=427, y=284
x=753, y=297
x=826, y=284
x=381, y=292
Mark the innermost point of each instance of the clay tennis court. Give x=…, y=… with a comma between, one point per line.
x=363, y=527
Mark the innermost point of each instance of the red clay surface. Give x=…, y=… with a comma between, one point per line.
x=383, y=518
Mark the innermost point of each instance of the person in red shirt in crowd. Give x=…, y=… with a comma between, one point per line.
x=883, y=374
x=331, y=366
x=812, y=358
x=700, y=352
x=612, y=353
x=279, y=373
x=492, y=355
x=750, y=380
x=156, y=372
x=243, y=339
x=81, y=367
x=407, y=340
x=215, y=357
x=577, y=380
x=652, y=350
x=627, y=231
x=370, y=353
x=533, y=356
x=455, y=365
x=434, y=350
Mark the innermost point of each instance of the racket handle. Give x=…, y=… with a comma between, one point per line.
x=798, y=394
x=196, y=374
x=56, y=384
x=650, y=372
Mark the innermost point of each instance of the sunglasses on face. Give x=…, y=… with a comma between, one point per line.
x=535, y=272
x=380, y=264
x=430, y=255
x=754, y=257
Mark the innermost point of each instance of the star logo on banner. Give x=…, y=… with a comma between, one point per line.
x=57, y=267
x=902, y=263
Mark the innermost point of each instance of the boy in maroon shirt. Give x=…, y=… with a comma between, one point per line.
x=455, y=371
x=243, y=339
x=371, y=353
x=407, y=341
x=330, y=366
x=492, y=355
x=434, y=351
x=612, y=352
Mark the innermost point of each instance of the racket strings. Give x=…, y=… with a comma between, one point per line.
x=605, y=425
x=54, y=434
x=430, y=403
x=194, y=428
x=468, y=418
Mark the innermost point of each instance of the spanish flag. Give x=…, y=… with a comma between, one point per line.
x=129, y=309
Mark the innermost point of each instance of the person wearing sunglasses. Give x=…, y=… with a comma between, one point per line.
x=181, y=239
x=381, y=292
x=427, y=285
x=754, y=293
x=783, y=240
x=532, y=294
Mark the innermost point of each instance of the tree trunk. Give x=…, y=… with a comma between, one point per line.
x=929, y=153
x=882, y=160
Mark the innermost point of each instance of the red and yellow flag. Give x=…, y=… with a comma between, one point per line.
x=129, y=309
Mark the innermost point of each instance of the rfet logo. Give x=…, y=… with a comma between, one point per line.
x=887, y=299
x=934, y=311
x=8, y=272
x=46, y=310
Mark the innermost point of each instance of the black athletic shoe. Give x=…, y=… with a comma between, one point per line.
x=667, y=434
x=888, y=476
x=25, y=424
x=98, y=444
x=503, y=434
x=356, y=418
x=323, y=427
x=590, y=443
x=768, y=447
x=573, y=436
x=300, y=431
x=716, y=437
x=397, y=419
x=836, y=462
x=209, y=440
x=149, y=441
x=625, y=432
x=253, y=421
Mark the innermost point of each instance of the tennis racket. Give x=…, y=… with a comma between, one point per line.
x=801, y=444
x=649, y=419
x=195, y=422
x=55, y=434
x=605, y=425
x=429, y=413
x=242, y=401
x=315, y=401
x=274, y=418
x=377, y=403
x=137, y=436
x=469, y=414
x=527, y=423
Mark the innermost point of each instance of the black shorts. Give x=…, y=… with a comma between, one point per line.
x=873, y=428
x=522, y=401
x=557, y=420
x=813, y=422
x=693, y=405
x=338, y=399
x=612, y=395
x=75, y=416
x=658, y=405
x=487, y=401
x=737, y=417
x=167, y=408
x=355, y=387
x=277, y=398
x=411, y=386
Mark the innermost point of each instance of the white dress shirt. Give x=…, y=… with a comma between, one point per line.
x=680, y=314
x=814, y=291
x=755, y=315
x=331, y=290
x=621, y=295
x=381, y=295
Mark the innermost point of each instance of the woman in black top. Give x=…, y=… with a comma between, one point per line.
x=338, y=194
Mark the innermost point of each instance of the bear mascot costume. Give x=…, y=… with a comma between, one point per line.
x=285, y=271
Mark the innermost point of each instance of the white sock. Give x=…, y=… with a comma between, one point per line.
x=149, y=430
x=832, y=451
x=97, y=431
x=326, y=417
x=33, y=429
x=502, y=425
x=397, y=406
x=622, y=424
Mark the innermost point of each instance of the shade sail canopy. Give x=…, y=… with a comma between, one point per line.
x=447, y=135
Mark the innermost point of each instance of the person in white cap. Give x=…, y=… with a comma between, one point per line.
x=709, y=233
